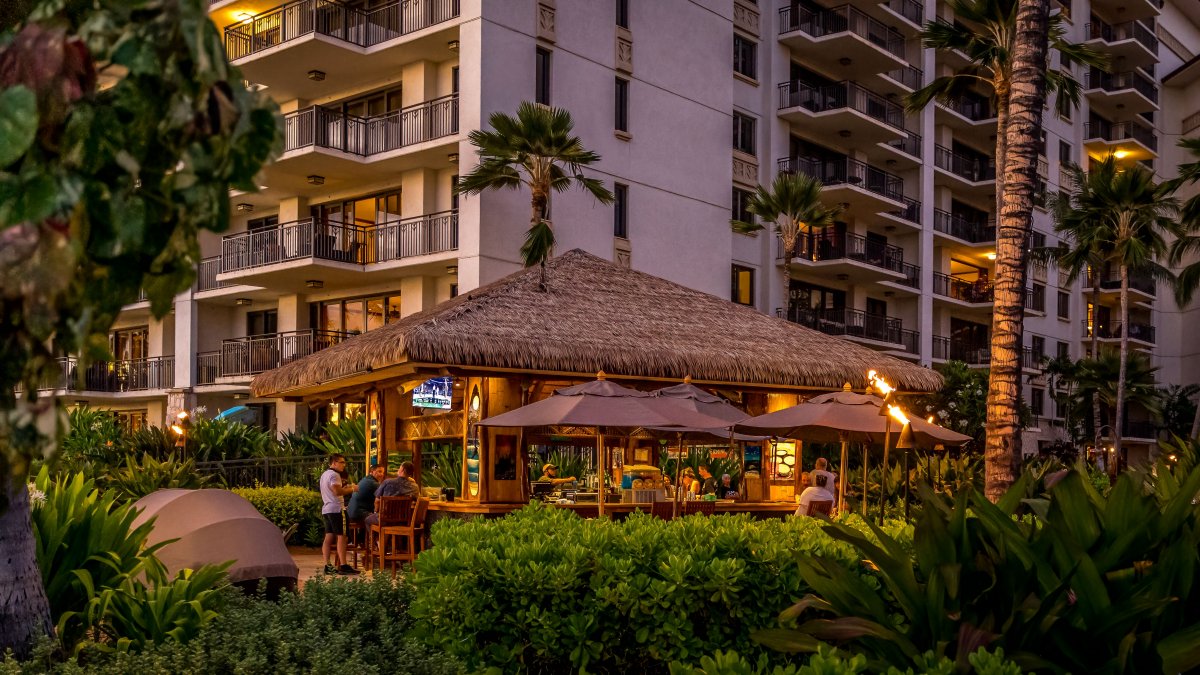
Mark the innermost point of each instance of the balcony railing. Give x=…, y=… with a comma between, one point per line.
x=909, y=76
x=396, y=240
x=208, y=367
x=839, y=96
x=824, y=246
x=1119, y=32
x=911, y=211
x=973, y=168
x=911, y=340
x=1104, y=331
x=257, y=353
x=846, y=171
x=1110, y=280
x=843, y=19
x=364, y=28
x=848, y=322
x=909, y=9
x=910, y=145
x=974, y=109
x=1190, y=123
x=1129, y=79
x=975, y=354
x=113, y=376
x=1120, y=131
x=317, y=126
x=206, y=275
x=956, y=226
x=1140, y=429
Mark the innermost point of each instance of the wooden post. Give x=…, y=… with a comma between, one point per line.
x=845, y=438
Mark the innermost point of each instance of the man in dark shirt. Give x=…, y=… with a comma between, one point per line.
x=401, y=486
x=362, y=501
x=707, y=481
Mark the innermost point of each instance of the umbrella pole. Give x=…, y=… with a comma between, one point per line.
x=600, y=477
x=678, y=474
x=906, y=485
x=883, y=469
x=842, y=472
x=866, y=449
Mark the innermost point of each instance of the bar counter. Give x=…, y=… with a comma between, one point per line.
x=618, y=510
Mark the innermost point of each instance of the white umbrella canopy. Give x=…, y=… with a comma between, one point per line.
x=826, y=418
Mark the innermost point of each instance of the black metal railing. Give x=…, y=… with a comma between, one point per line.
x=909, y=145
x=846, y=171
x=152, y=373
x=364, y=28
x=1105, y=331
x=975, y=168
x=257, y=353
x=973, y=231
x=840, y=96
x=1129, y=79
x=1035, y=300
x=909, y=76
x=1120, y=131
x=843, y=19
x=1110, y=280
x=976, y=353
x=318, y=126
x=206, y=274
x=829, y=245
x=208, y=367
x=958, y=289
x=848, y=323
x=309, y=238
x=974, y=109
x=911, y=211
x=1119, y=32
x=304, y=470
x=910, y=340
x=1140, y=429
x=909, y=9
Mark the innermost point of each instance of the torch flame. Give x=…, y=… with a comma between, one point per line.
x=879, y=383
x=897, y=414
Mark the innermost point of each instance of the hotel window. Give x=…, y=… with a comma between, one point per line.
x=255, y=224
x=1065, y=156
x=1063, y=106
x=1064, y=305
x=1064, y=349
x=453, y=193
x=745, y=57
x=621, y=211
x=741, y=288
x=262, y=322
x=130, y=343
x=623, y=13
x=1038, y=347
x=356, y=315
x=621, y=113
x=541, y=92
x=1037, y=401
x=741, y=200
x=743, y=134
x=454, y=80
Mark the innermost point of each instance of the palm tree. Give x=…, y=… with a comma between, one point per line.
x=1187, y=246
x=535, y=149
x=793, y=205
x=1127, y=219
x=1100, y=377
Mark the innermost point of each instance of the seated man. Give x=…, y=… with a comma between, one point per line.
x=550, y=473
x=725, y=488
x=362, y=502
x=401, y=486
x=814, y=493
x=821, y=467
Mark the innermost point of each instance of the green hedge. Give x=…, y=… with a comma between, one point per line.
x=289, y=505
x=545, y=590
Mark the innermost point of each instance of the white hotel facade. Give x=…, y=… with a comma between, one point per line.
x=355, y=224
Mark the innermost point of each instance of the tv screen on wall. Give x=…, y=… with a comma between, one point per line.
x=437, y=392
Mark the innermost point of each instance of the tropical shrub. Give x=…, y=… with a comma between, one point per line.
x=210, y=440
x=827, y=661
x=139, y=477
x=547, y=591
x=286, y=506
x=157, y=442
x=443, y=468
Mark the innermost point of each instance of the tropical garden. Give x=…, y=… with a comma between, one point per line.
x=122, y=129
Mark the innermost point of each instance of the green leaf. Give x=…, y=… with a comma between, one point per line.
x=18, y=123
x=785, y=640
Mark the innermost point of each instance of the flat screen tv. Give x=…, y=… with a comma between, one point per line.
x=437, y=392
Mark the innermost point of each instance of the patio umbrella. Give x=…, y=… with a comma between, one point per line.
x=843, y=416
x=601, y=403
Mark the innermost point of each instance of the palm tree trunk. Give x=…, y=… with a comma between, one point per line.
x=1002, y=447
x=1119, y=417
x=24, y=610
x=787, y=285
x=1002, y=115
x=1095, y=355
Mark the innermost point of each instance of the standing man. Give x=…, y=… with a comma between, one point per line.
x=332, y=491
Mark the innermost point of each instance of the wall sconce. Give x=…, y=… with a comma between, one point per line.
x=314, y=283
x=475, y=401
x=316, y=75
x=844, y=133
x=844, y=61
x=452, y=269
x=452, y=158
x=242, y=302
x=315, y=180
x=245, y=207
x=452, y=45
x=843, y=277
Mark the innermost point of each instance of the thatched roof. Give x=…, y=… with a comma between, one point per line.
x=596, y=316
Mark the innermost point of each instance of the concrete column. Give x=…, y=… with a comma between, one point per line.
x=187, y=340
x=293, y=209
x=419, y=190
x=416, y=294
x=293, y=313
x=290, y=416
x=420, y=82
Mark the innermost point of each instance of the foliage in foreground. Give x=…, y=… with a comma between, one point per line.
x=547, y=591
x=334, y=626
x=830, y=662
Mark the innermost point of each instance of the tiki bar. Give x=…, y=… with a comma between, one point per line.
x=454, y=386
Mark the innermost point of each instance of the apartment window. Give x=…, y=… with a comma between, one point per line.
x=623, y=13
x=1065, y=155
x=453, y=193
x=454, y=79
x=741, y=288
x=1043, y=149
x=255, y=224
x=1037, y=401
x=454, y=290
x=621, y=117
x=743, y=133
x=356, y=315
x=1037, y=345
x=621, y=211
x=1063, y=106
x=262, y=322
x=1064, y=349
x=1064, y=305
x=745, y=57
x=130, y=343
x=541, y=92
x=741, y=200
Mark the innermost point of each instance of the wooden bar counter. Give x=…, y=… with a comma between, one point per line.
x=465, y=509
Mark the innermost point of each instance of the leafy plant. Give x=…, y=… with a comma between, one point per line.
x=347, y=436
x=961, y=402
x=157, y=442
x=217, y=439
x=93, y=435
x=828, y=661
x=139, y=477
x=442, y=467
x=286, y=506
x=135, y=615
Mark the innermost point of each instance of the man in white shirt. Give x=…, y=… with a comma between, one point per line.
x=332, y=491
x=814, y=493
x=821, y=468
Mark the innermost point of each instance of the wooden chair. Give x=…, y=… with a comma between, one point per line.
x=392, y=512
x=820, y=508
x=355, y=531
x=399, y=542
x=699, y=506
x=663, y=510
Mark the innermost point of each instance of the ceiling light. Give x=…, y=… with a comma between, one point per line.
x=843, y=277
x=844, y=133
x=991, y=256
x=315, y=283
x=315, y=180
x=451, y=269
x=245, y=207
x=844, y=61
x=242, y=302
x=243, y=17
x=452, y=45
x=452, y=158
x=1121, y=154
x=316, y=75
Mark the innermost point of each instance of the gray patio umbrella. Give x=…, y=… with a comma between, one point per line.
x=604, y=404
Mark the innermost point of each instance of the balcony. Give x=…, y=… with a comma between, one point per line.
x=1105, y=332
x=1135, y=142
x=1140, y=430
x=909, y=214
x=866, y=189
x=285, y=255
x=846, y=255
x=903, y=153
x=976, y=354
x=349, y=46
x=855, y=324
x=843, y=40
x=1128, y=92
x=842, y=108
x=240, y=358
x=967, y=174
x=326, y=142
x=972, y=232
x=1130, y=43
x=117, y=377
x=1141, y=286
x=910, y=10
x=1128, y=9
x=980, y=293
x=898, y=82
x=971, y=117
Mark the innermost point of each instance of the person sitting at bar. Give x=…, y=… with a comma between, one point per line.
x=814, y=493
x=709, y=482
x=688, y=483
x=402, y=485
x=362, y=502
x=726, y=489
x=821, y=468
x=550, y=474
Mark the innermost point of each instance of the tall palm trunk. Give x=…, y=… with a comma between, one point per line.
x=1095, y=355
x=24, y=610
x=1002, y=447
x=1119, y=417
x=789, y=236
x=1002, y=115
